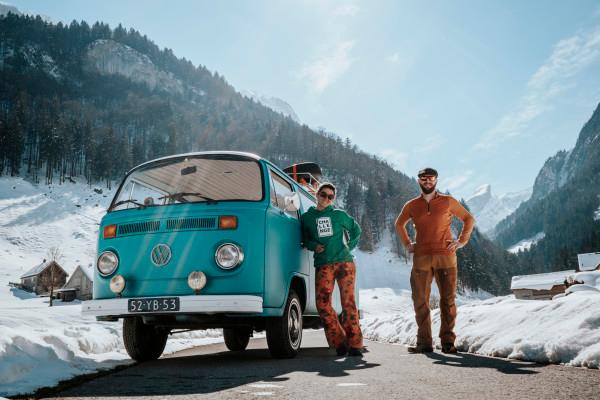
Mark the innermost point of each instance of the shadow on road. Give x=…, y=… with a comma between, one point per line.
x=472, y=361
x=209, y=373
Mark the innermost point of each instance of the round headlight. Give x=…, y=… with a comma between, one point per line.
x=197, y=280
x=229, y=256
x=107, y=263
x=117, y=284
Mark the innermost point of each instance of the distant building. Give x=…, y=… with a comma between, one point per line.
x=79, y=286
x=39, y=278
x=539, y=286
x=588, y=261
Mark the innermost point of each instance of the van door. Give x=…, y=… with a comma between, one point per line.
x=306, y=202
x=283, y=237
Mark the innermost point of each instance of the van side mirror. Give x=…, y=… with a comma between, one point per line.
x=292, y=203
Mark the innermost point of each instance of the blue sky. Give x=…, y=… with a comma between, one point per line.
x=484, y=91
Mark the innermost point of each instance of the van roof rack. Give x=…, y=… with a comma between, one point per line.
x=308, y=174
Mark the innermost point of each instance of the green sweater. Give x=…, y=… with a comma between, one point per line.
x=327, y=227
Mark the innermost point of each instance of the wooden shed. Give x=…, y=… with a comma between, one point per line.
x=80, y=284
x=539, y=286
x=39, y=278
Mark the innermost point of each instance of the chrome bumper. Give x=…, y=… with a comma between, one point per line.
x=209, y=304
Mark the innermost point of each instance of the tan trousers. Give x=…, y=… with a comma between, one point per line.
x=444, y=269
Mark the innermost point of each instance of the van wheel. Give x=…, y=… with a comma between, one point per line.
x=143, y=342
x=284, y=334
x=236, y=339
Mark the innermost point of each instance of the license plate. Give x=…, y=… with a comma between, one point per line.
x=150, y=304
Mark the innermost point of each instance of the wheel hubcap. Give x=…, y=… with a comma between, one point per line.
x=294, y=325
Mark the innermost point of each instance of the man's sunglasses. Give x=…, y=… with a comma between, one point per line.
x=324, y=195
x=427, y=178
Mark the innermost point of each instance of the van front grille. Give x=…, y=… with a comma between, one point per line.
x=135, y=228
x=191, y=223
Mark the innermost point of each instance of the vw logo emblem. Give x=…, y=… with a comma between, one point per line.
x=161, y=255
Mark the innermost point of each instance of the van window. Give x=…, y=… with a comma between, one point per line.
x=306, y=201
x=191, y=180
x=282, y=189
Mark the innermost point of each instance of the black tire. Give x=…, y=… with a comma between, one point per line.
x=284, y=334
x=143, y=342
x=236, y=339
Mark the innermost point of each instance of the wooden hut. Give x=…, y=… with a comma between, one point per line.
x=79, y=286
x=539, y=286
x=39, y=278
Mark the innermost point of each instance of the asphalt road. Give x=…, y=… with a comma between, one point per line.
x=385, y=372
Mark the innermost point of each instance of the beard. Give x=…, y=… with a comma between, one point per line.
x=427, y=190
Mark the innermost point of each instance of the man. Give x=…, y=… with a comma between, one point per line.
x=324, y=231
x=434, y=256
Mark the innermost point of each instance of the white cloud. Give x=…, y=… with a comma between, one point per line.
x=398, y=159
x=454, y=182
x=569, y=57
x=394, y=58
x=346, y=10
x=430, y=144
x=325, y=71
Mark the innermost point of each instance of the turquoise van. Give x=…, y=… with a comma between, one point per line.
x=206, y=240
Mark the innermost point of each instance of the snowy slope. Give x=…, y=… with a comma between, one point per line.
x=274, y=103
x=39, y=345
x=526, y=244
x=489, y=209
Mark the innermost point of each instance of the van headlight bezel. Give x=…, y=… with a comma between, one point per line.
x=107, y=263
x=229, y=256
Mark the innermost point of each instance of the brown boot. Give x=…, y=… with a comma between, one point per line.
x=420, y=348
x=449, y=348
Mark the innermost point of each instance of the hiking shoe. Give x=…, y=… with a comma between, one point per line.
x=420, y=348
x=341, y=350
x=449, y=348
x=355, y=352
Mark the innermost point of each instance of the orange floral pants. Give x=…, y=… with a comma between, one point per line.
x=345, y=330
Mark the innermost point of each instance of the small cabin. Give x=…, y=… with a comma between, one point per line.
x=39, y=278
x=79, y=286
x=588, y=261
x=539, y=286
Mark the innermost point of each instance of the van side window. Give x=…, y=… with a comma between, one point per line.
x=282, y=189
x=306, y=202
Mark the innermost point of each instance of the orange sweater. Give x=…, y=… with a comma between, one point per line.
x=432, y=223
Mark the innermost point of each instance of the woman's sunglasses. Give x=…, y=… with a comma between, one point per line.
x=324, y=195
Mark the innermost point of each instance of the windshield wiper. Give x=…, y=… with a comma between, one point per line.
x=134, y=201
x=180, y=197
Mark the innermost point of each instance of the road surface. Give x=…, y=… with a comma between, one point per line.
x=385, y=372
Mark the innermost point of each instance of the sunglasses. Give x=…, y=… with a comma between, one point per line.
x=324, y=195
x=427, y=178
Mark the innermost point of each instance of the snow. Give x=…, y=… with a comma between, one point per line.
x=41, y=345
x=565, y=330
x=526, y=244
x=540, y=281
x=489, y=209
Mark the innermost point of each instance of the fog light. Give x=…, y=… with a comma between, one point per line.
x=197, y=280
x=229, y=256
x=117, y=284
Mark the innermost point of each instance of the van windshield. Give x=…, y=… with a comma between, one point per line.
x=190, y=180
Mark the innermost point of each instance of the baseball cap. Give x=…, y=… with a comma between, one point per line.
x=427, y=171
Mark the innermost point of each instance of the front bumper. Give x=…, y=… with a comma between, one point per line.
x=209, y=304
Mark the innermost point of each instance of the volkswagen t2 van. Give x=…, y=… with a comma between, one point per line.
x=205, y=240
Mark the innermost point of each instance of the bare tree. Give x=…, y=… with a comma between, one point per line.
x=51, y=280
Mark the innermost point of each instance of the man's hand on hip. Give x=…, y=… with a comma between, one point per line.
x=320, y=248
x=410, y=247
x=454, y=245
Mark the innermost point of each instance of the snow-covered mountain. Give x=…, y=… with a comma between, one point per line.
x=489, y=209
x=6, y=8
x=274, y=103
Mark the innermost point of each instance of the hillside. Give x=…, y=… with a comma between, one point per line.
x=90, y=102
x=563, y=209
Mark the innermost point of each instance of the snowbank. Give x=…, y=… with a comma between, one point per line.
x=564, y=330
